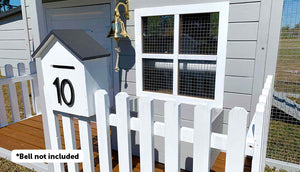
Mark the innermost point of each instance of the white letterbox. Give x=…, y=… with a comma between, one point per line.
x=74, y=66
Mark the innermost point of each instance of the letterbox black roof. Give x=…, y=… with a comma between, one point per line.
x=79, y=42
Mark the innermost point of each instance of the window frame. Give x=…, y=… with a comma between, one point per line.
x=223, y=9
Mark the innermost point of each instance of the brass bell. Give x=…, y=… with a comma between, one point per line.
x=117, y=29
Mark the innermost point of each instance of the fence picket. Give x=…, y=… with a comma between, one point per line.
x=12, y=94
x=24, y=91
x=237, y=130
x=258, y=135
x=123, y=132
x=172, y=136
x=34, y=88
x=3, y=117
x=86, y=143
x=146, y=134
x=202, y=138
x=69, y=137
x=103, y=130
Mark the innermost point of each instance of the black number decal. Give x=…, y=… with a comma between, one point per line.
x=60, y=88
x=56, y=83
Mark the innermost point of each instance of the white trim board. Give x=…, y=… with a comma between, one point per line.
x=223, y=9
x=39, y=167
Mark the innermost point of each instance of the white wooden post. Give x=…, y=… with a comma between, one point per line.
x=12, y=94
x=202, y=138
x=69, y=137
x=3, y=117
x=258, y=138
x=55, y=137
x=172, y=136
x=86, y=143
x=123, y=132
x=237, y=130
x=34, y=89
x=103, y=130
x=24, y=91
x=146, y=134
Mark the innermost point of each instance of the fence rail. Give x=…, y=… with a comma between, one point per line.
x=10, y=81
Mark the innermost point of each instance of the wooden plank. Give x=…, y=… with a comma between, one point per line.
x=12, y=45
x=23, y=137
x=202, y=138
x=233, y=99
x=237, y=130
x=3, y=117
x=14, y=56
x=12, y=34
x=12, y=94
x=86, y=144
x=241, y=49
x=103, y=131
x=123, y=132
x=69, y=138
x=236, y=84
x=24, y=91
x=172, y=136
x=146, y=134
x=11, y=144
x=242, y=31
x=244, y=12
x=234, y=66
x=15, y=25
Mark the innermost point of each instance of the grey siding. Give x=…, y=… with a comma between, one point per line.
x=13, y=42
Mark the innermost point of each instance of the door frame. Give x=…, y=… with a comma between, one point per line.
x=41, y=30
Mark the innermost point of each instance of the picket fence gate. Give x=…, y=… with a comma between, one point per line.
x=201, y=136
x=10, y=81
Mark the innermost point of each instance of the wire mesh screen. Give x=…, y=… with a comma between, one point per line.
x=199, y=33
x=158, y=75
x=284, y=132
x=197, y=78
x=158, y=34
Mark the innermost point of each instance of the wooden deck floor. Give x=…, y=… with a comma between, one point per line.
x=28, y=134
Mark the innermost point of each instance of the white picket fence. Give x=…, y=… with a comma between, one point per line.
x=201, y=136
x=10, y=81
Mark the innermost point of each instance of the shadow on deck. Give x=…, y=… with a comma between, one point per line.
x=28, y=134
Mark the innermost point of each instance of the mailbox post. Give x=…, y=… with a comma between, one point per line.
x=72, y=67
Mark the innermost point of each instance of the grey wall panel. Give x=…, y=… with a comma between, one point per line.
x=12, y=44
x=16, y=25
x=128, y=76
x=238, y=84
x=130, y=22
x=241, y=1
x=242, y=31
x=244, y=12
x=241, y=49
x=129, y=88
x=158, y=3
x=237, y=100
x=237, y=67
x=12, y=34
x=131, y=33
x=13, y=54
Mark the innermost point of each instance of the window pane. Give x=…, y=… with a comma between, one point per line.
x=158, y=75
x=199, y=33
x=158, y=34
x=197, y=78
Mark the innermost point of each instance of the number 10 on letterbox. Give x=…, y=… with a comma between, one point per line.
x=74, y=66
